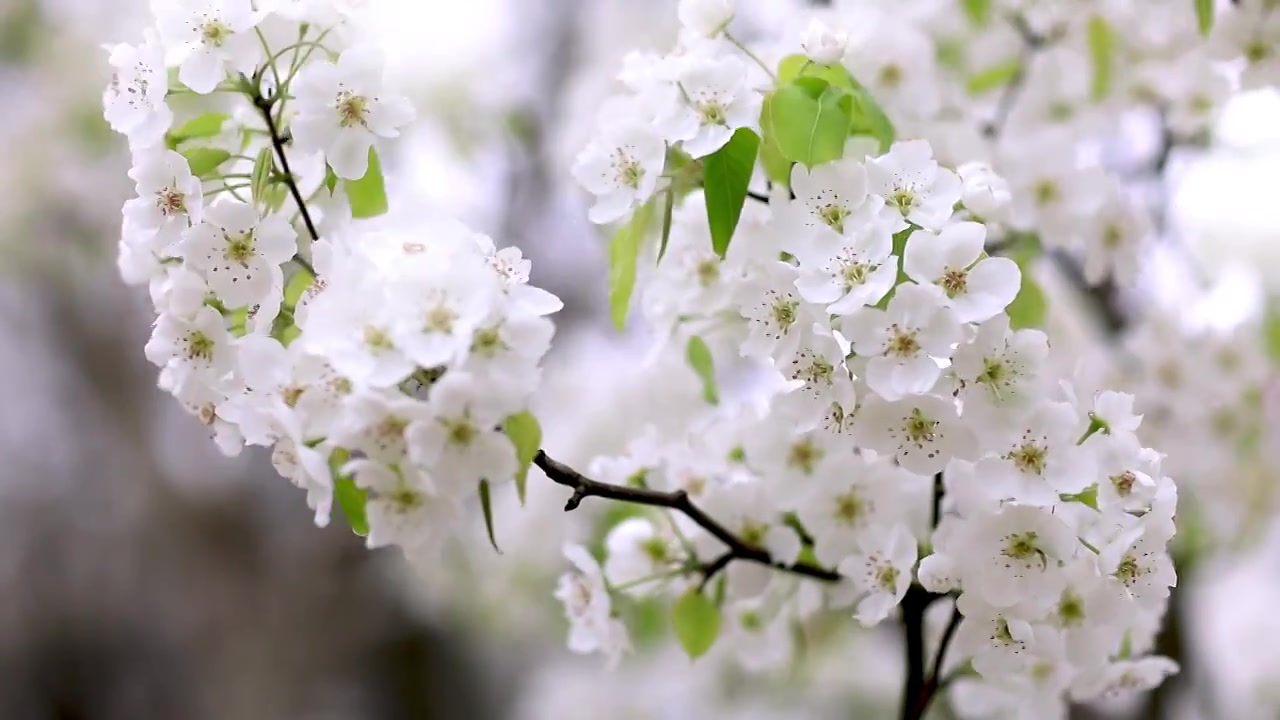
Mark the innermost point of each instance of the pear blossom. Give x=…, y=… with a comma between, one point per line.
x=903, y=340
x=621, y=168
x=134, y=102
x=705, y=18
x=881, y=570
x=239, y=252
x=984, y=193
x=923, y=432
x=206, y=39
x=822, y=44
x=976, y=288
x=344, y=107
x=912, y=183
x=714, y=100
x=589, y=608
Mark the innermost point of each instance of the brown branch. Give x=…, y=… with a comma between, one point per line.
x=935, y=681
x=678, y=500
x=264, y=106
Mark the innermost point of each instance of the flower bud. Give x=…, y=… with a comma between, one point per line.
x=823, y=45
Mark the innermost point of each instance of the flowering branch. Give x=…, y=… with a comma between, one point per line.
x=935, y=681
x=264, y=104
x=584, y=487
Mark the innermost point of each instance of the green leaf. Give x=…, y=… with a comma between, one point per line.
x=668, y=205
x=696, y=621
x=368, y=195
x=997, y=75
x=202, y=126
x=260, y=178
x=700, y=359
x=726, y=173
x=299, y=283
x=624, y=248
x=1204, y=15
x=868, y=118
x=1102, y=54
x=978, y=11
x=526, y=435
x=1029, y=308
x=776, y=167
x=808, y=119
x=205, y=161
x=1088, y=496
x=795, y=66
x=330, y=179
x=351, y=498
x=486, y=505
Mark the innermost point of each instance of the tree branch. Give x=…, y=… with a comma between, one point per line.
x=935, y=682
x=678, y=500
x=278, y=142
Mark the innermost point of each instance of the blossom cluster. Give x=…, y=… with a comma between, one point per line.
x=913, y=429
x=379, y=357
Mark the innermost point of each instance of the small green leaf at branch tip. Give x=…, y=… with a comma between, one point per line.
x=702, y=362
x=350, y=498
x=1102, y=54
x=726, y=175
x=807, y=121
x=526, y=435
x=486, y=505
x=668, y=207
x=201, y=126
x=260, y=178
x=330, y=179
x=1204, y=15
x=696, y=622
x=1029, y=308
x=978, y=11
x=368, y=195
x=1087, y=497
x=205, y=161
x=624, y=250
x=993, y=77
x=298, y=284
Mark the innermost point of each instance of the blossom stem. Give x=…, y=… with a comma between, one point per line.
x=935, y=681
x=277, y=141
x=768, y=71
x=678, y=500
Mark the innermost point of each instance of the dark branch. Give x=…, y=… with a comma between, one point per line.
x=758, y=197
x=935, y=681
x=678, y=500
x=278, y=142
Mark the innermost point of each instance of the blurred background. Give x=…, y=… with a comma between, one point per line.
x=143, y=575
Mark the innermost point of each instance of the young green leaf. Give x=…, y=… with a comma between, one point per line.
x=1102, y=54
x=330, y=179
x=204, y=161
x=668, y=206
x=624, y=248
x=260, y=178
x=808, y=119
x=299, y=283
x=1204, y=15
x=1029, y=308
x=700, y=359
x=368, y=195
x=486, y=506
x=978, y=11
x=351, y=499
x=868, y=118
x=696, y=622
x=201, y=126
x=794, y=66
x=526, y=435
x=727, y=172
x=993, y=77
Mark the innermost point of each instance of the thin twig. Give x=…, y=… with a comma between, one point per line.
x=277, y=141
x=678, y=500
x=935, y=681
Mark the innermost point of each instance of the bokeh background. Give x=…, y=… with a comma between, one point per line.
x=144, y=575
